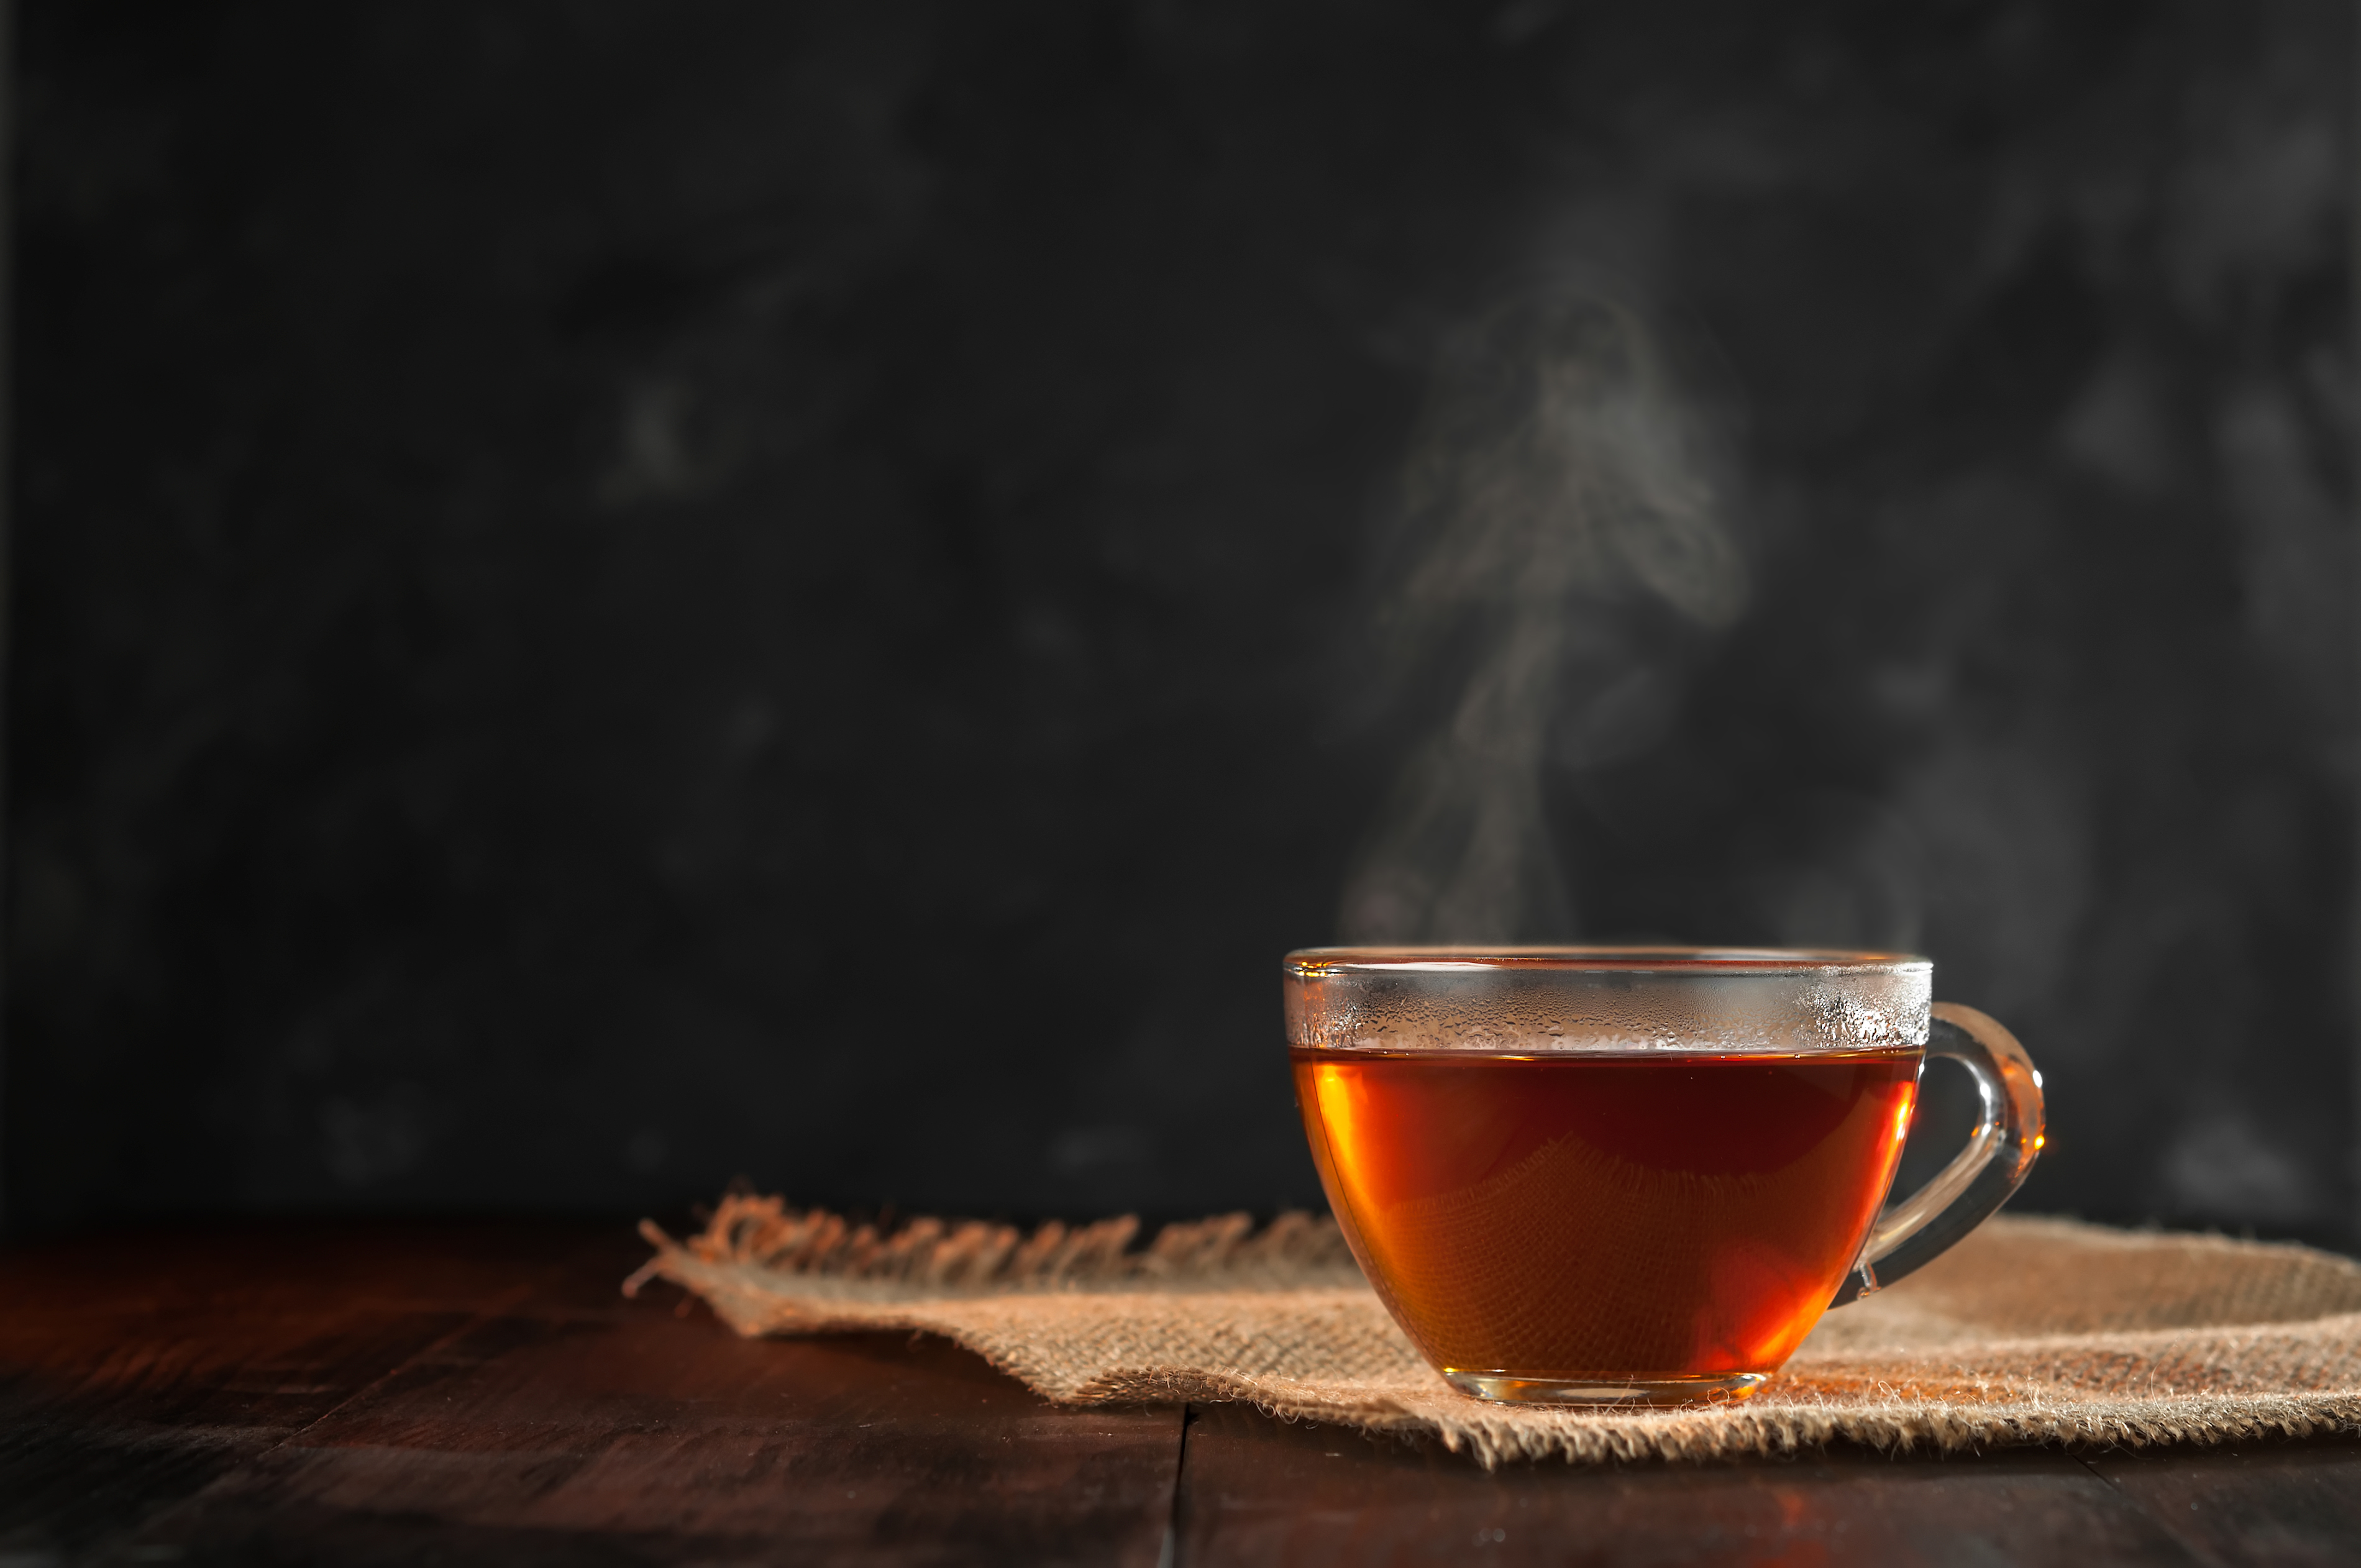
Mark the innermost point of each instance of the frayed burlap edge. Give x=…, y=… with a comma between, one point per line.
x=924, y=1259
x=1767, y=1425
x=1090, y=1331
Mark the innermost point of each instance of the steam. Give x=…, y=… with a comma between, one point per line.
x=1557, y=475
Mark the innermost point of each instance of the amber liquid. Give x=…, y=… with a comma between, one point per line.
x=1606, y=1217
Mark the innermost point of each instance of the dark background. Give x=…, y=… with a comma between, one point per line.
x=610, y=595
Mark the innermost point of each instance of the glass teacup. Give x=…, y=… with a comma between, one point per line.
x=1636, y=1175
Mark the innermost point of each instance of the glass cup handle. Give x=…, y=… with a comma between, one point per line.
x=1985, y=1173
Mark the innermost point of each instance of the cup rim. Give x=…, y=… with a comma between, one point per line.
x=1307, y=963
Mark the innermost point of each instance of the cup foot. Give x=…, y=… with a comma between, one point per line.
x=1701, y=1388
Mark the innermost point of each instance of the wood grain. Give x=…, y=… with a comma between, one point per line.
x=136, y=1369
x=673, y=1440
x=1258, y=1491
x=480, y=1393
x=2263, y=1504
x=487, y=1396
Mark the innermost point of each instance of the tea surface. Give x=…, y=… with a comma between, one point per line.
x=1586, y=1215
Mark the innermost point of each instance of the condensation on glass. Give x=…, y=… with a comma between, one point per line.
x=1636, y=1174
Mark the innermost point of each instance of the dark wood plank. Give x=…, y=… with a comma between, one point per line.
x=630, y=1434
x=136, y=1369
x=480, y=1393
x=1255, y=1490
x=2270, y=1503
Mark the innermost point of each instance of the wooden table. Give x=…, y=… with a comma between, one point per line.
x=465, y=1394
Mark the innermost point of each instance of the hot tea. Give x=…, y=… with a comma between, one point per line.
x=1588, y=1215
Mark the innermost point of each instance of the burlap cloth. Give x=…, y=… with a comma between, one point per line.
x=2029, y=1331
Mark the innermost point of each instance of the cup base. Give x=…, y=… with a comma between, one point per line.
x=1700, y=1388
